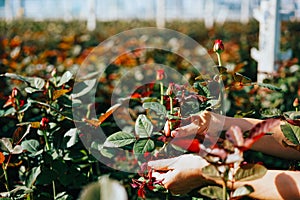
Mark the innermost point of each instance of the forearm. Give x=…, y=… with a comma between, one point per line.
x=269, y=144
x=275, y=184
x=244, y=123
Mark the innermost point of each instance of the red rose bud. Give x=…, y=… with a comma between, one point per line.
x=14, y=93
x=218, y=46
x=160, y=74
x=296, y=102
x=44, y=123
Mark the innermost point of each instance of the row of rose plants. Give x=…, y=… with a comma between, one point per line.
x=44, y=158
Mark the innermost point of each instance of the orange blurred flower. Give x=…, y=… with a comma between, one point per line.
x=2, y=157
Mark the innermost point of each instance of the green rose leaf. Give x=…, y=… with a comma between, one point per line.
x=143, y=145
x=292, y=133
x=157, y=107
x=211, y=171
x=269, y=86
x=71, y=137
x=213, y=192
x=31, y=90
x=143, y=127
x=243, y=191
x=10, y=111
x=6, y=145
x=35, y=171
x=202, y=90
x=37, y=83
x=82, y=88
x=250, y=172
x=31, y=146
x=119, y=139
x=65, y=78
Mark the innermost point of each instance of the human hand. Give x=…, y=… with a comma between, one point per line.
x=181, y=174
x=198, y=125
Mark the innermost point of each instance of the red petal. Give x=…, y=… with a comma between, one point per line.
x=191, y=145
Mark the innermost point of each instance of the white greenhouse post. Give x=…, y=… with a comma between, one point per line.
x=269, y=35
x=91, y=16
x=160, y=13
x=268, y=55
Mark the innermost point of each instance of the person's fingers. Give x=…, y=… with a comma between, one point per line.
x=184, y=131
x=199, y=124
x=163, y=164
x=159, y=176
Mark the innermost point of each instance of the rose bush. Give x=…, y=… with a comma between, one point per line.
x=41, y=154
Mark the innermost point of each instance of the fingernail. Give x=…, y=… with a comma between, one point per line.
x=174, y=133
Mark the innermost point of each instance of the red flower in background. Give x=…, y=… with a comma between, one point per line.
x=14, y=99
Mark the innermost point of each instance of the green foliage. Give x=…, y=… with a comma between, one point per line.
x=242, y=191
x=157, y=107
x=119, y=139
x=143, y=127
x=142, y=146
x=213, y=192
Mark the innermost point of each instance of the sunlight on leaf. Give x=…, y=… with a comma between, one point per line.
x=119, y=139
x=242, y=191
x=143, y=127
x=143, y=145
x=65, y=78
x=83, y=88
x=31, y=146
x=211, y=171
x=157, y=107
x=33, y=174
x=292, y=133
x=250, y=172
x=71, y=137
x=213, y=192
x=5, y=144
